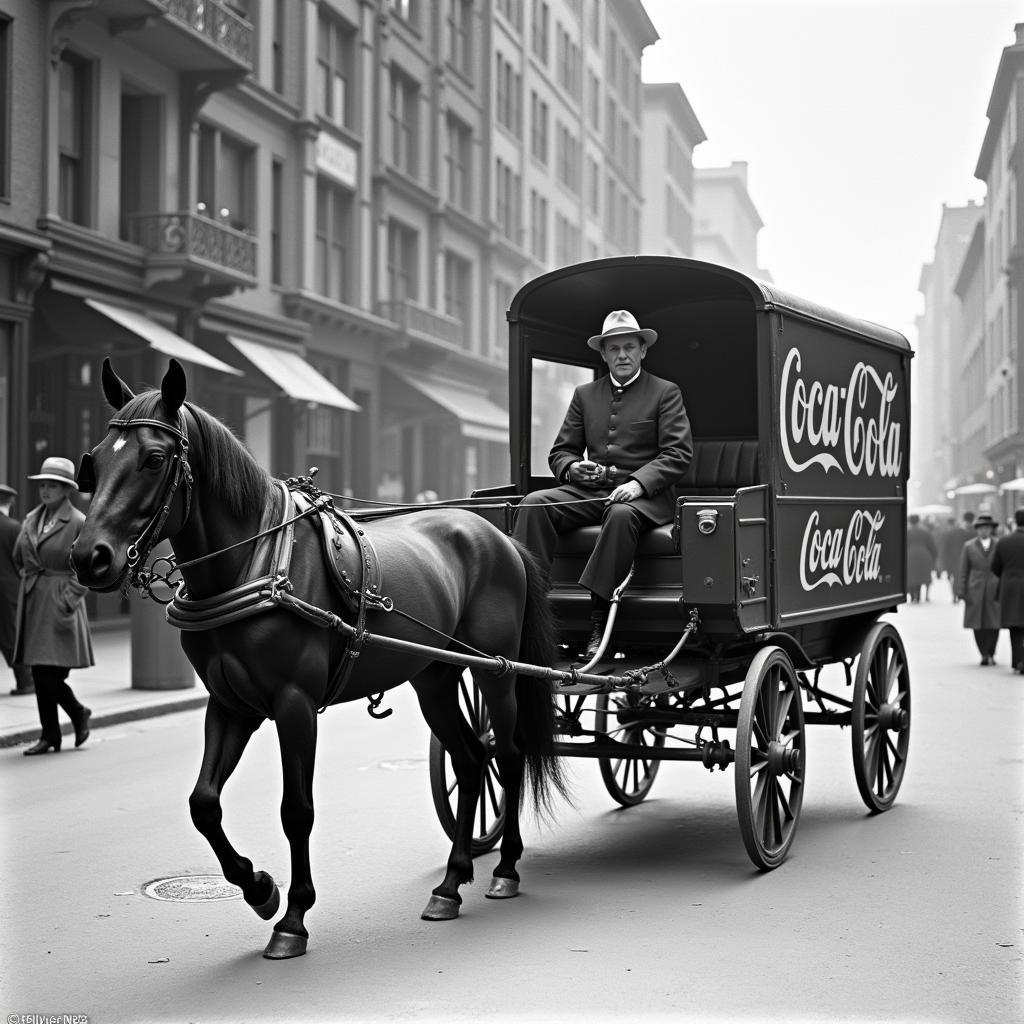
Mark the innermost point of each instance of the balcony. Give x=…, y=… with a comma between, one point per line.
x=418, y=322
x=195, y=251
x=199, y=36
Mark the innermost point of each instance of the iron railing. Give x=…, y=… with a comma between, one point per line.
x=411, y=316
x=213, y=19
x=192, y=236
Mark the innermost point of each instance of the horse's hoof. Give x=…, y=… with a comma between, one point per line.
x=269, y=909
x=285, y=945
x=502, y=889
x=441, y=908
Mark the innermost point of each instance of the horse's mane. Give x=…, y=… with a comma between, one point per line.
x=221, y=464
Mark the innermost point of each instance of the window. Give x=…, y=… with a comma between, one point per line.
x=538, y=128
x=402, y=245
x=509, y=112
x=538, y=226
x=570, y=68
x=594, y=21
x=277, y=48
x=567, y=241
x=226, y=191
x=74, y=137
x=594, y=100
x=568, y=157
x=141, y=170
x=324, y=425
x=457, y=157
x=458, y=278
x=593, y=187
x=539, y=18
x=334, y=242
x=512, y=10
x=407, y=10
x=508, y=202
x=5, y=108
x=277, y=220
x=335, y=60
x=402, y=110
x=460, y=34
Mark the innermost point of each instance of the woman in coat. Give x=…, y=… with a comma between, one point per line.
x=978, y=587
x=52, y=629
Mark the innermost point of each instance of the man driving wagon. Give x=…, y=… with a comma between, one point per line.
x=624, y=443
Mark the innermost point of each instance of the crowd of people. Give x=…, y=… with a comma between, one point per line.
x=985, y=569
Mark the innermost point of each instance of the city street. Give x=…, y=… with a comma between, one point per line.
x=649, y=913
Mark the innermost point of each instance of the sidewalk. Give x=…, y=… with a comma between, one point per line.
x=106, y=688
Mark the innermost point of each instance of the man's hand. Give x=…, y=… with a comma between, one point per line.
x=628, y=491
x=586, y=474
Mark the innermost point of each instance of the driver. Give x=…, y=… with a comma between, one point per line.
x=624, y=443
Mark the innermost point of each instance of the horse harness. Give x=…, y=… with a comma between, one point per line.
x=273, y=589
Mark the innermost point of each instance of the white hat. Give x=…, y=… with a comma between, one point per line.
x=56, y=468
x=621, y=321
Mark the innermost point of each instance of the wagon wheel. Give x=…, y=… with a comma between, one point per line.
x=769, y=758
x=627, y=779
x=490, y=812
x=881, y=717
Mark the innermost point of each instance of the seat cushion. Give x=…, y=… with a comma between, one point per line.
x=579, y=543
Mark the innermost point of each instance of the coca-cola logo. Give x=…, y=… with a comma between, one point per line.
x=841, y=555
x=847, y=428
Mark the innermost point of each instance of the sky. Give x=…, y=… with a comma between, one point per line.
x=858, y=120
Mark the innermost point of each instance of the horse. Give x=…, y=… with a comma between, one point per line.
x=167, y=469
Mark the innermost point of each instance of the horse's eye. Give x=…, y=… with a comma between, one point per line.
x=155, y=461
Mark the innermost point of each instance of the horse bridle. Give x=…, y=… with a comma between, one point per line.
x=139, y=548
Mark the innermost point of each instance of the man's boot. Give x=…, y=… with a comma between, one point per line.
x=23, y=680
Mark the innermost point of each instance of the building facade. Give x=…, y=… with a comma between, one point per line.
x=322, y=207
x=727, y=219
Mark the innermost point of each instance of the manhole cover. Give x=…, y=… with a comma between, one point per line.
x=191, y=889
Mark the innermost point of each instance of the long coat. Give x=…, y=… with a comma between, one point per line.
x=921, y=555
x=52, y=625
x=978, y=586
x=1008, y=565
x=642, y=430
x=10, y=582
x=951, y=544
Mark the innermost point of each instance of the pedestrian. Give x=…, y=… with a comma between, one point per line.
x=10, y=580
x=624, y=442
x=921, y=557
x=1008, y=565
x=951, y=543
x=52, y=628
x=978, y=586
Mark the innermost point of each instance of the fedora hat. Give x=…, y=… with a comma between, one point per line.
x=621, y=321
x=7, y=492
x=984, y=519
x=56, y=468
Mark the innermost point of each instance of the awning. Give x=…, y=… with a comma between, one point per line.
x=974, y=489
x=478, y=416
x=292, y=374
x=159, y=337
x=1013, y=485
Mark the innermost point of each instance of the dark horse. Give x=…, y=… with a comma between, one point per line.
x=168, y=469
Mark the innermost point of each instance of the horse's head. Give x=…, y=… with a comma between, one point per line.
x=133, y=475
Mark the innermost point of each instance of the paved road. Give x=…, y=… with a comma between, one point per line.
x=651, y=913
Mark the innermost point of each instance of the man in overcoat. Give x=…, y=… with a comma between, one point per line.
x=624, y=442
x=1008, y=565
x=951, y=544
x=10, y=580
x=976, y=584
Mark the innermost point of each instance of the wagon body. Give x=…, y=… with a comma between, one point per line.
x=792, y=514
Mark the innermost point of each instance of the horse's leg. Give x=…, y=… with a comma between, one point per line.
x=295, y=717
x=499, y=694
x=226, y=739
x=437, y=690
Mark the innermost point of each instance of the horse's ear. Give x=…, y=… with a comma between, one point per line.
x=172, y=388
x=116, y=392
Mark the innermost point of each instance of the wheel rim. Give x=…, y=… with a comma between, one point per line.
x=881, y=717
x=627, y=779
x=770, y=757
x=489, y=820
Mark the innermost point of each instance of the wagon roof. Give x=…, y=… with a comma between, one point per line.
x=573, y=296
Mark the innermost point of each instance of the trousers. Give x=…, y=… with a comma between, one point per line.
x=539, y=521
x=52, y=690
x=986, y=641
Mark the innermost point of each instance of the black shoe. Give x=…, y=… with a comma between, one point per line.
x=42, y=747
x=18, y=691
x=598, y=622
x=82, y=727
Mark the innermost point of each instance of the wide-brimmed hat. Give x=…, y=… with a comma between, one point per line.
x=621, y=321
x=984, y=519
x=7, y=492
x=56, y=468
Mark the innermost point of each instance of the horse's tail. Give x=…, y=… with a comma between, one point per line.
x=535, y=705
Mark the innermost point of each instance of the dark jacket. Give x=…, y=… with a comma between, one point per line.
x=951, y=544
x=648, y=439
x=977, y=585
x=921, y=555
x=52, y=626
x=1008, y=565
x=10, y=580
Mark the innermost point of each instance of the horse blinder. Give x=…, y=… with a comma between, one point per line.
x=86, y=476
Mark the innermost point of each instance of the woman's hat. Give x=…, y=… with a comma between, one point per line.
x=7, y=492
x=56, y=468
x=984, y=520
x=621, y=321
